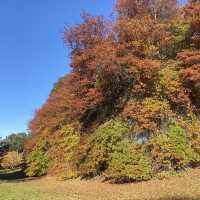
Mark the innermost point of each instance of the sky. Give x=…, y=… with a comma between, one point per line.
x=32, y=53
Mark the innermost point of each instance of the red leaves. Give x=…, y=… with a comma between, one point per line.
x=147, y=114
x=159, y=10
x=189, y=58
x=86, y=34
x=145, y=75
x=191, y=74
x=131, y=8
x=191, y=78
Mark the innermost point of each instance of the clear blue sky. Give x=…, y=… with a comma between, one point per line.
x=32, y=53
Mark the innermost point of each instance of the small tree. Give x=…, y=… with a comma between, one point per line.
x=16, y=141
x=38, y=161
x=11, y=160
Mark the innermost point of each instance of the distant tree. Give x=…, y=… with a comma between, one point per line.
x=3, y=147
x=11, y=160
x=15, y=141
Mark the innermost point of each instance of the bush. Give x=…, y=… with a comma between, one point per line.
x=62, y=153
x=128, y=163
x=38, y=160
x=11, y=160
x=171, y=150
x=109, y=153
x=192, y=126
x=100, y=145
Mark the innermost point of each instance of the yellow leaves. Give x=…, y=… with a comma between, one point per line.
x=11, y=160
x=148, y=113
x=136, y=32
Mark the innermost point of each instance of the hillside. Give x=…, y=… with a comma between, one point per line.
x=129, y=109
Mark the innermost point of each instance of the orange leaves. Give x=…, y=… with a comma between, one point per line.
x=191, y=79
x=86, y=34
x=55, y=112
x=144, y=73
x=189, y=58
x=157, y=9
x=192, y=15
x=147, y=114
x=191, y=74
x=135, y=32
x=131, y=8
x=192, y=10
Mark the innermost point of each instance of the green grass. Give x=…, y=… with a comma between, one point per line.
x=186, y=187
x=26, y=191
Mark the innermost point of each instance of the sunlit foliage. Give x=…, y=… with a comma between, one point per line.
x=11, y=160
x=130, y=77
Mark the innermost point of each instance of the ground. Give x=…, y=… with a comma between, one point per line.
x=186, y=187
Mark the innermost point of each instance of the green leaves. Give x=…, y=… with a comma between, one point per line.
x=38, y=160
x=171, y=150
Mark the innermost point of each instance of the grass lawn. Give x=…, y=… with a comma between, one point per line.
x=186, y=187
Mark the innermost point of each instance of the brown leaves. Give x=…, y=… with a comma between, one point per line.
x=147, y=114
x=145, y=75
x=191, y=74
x=157, y=9
x=86, y=34
x=131, y=8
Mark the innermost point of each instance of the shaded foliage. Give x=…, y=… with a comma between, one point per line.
x=11, y=160
x=16, y=141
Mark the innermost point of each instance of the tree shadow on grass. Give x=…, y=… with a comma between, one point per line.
x=15, y=176
x=12, y=175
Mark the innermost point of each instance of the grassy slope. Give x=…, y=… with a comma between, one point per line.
x=186, y=187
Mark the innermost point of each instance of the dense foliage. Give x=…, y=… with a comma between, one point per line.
x=38, y=160
x=11, y=160
x=16, y=141
x=129, y=109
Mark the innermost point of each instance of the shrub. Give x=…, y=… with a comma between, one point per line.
x=192, y=126
x=128, y=163
x=100, y=145
x=37, y=160
x=62, y=153
x=109, y=153
x=11, y=160
x=171, y=151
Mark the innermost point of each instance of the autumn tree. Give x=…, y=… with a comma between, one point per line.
x=158, y=9
x=132, y=89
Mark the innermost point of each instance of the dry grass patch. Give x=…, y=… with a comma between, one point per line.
x=186, y=187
